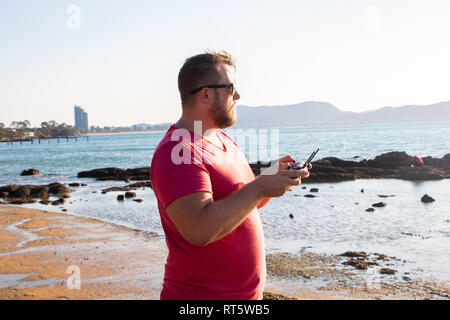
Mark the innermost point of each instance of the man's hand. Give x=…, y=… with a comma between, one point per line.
x=276, y=180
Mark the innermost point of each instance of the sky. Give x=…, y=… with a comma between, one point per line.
x=120, y=59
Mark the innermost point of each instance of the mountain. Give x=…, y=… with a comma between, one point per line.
x=317, y=113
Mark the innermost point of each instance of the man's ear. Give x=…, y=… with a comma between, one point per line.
x=205, y=96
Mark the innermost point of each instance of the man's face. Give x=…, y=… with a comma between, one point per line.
x=223, y=110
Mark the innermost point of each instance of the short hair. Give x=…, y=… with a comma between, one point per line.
x=201, y=69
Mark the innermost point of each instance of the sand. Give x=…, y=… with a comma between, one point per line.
x=41, y=253
x=52, y=255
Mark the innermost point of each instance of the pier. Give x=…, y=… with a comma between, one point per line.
x=39, y=140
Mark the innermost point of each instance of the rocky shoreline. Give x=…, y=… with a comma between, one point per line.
x=392, y=165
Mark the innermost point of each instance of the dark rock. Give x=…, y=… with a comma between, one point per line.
x=58, y=202
x=303, y=188
x=362, y=190
x=138, y=200
x=74, y=184
x=387, y=271
x=291, y=216
x=370, y=209
x=130, y=194
x=120, y=197
x=117, y=174
x=130, y=187
x=84, y=185
x=309, y=196
x=427, y=199
x=385, y=195
x=379, y=205
x=314, y=190
x=58, y=189
x=46, y=202
x=354, y=254
x=30, y=172
x=391, y=160
x=360, y=264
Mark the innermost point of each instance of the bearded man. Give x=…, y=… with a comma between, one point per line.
x=208, y=197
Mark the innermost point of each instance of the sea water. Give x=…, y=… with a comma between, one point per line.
x=333, y=222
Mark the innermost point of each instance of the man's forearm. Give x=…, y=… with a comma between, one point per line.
x=223, y=216
x=263, y=202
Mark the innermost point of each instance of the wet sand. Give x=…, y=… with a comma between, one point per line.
x=41, y=253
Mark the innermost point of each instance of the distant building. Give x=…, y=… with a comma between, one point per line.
x=81, y=118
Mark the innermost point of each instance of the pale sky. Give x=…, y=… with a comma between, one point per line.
x=119, y=60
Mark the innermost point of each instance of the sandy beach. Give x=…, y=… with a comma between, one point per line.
x=42, y=254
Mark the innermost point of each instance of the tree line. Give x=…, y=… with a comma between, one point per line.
x=18, y=130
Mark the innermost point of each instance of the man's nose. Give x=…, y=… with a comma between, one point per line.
x=236, y=96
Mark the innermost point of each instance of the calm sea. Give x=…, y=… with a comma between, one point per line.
x=334, y=221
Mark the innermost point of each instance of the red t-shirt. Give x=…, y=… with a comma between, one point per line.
x=232, y=267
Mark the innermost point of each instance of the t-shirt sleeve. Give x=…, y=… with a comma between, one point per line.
x=171, y=181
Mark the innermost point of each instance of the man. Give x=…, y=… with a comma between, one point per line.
x=207, y=194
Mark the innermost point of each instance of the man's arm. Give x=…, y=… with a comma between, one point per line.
x=263, y=202
x=201, y=220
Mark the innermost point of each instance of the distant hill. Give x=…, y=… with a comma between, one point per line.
x=316, y=113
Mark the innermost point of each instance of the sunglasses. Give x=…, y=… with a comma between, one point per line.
x=229, y=85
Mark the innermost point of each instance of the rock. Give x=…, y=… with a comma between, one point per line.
x=291, y=216
x=58, y=189
x=138, y=200
x=427, y=199
x=30, y=172
x=387, y=271
x=117, y=174
x=84, y=185
x=379, y=205
x=58, y=202
x=309, y=196
x=130, y=194
x=354, y=254
x=303, y=188
x=385, y=195
x=370, y=209
x=314, y=190
x=362, y=190
x=360, y=264
x=130, y=187
x=74, y=184
x=120, y=197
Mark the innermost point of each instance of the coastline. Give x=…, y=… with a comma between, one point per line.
x=38, y=248
x=114, y=133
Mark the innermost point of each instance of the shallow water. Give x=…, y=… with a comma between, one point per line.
x=333, y=222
